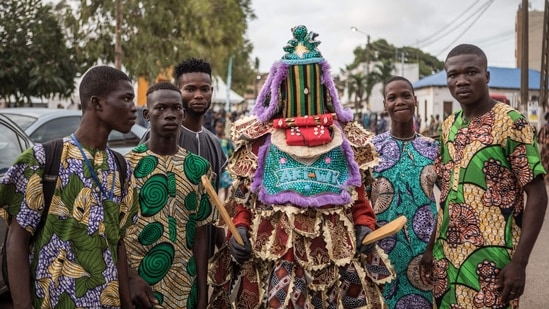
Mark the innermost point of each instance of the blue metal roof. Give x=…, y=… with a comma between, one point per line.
x=507, y=78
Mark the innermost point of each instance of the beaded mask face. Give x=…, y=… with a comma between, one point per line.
x=300, y=83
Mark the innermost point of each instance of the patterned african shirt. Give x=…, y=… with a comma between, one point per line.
x=172, y=204
x=73, y=259
x=485, y=164
x=405, y=178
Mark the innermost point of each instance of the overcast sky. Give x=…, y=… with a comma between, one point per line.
x=401, y=22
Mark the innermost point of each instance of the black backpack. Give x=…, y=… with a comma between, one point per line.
x=53, y=150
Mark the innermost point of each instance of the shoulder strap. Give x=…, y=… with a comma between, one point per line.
x=122, y=167
x=53, y=151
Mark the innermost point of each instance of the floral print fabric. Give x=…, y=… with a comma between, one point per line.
x=404, y=183
x=73, y=258
x=485, y=164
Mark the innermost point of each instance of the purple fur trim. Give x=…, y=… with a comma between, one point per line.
x=305, y=201
x=355, y=179
x=279, y=75
x=261, y=158
x=343, y=115
x=259, y=108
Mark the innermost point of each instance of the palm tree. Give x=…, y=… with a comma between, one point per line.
x=357, y=87
x=371, y=80
x=384, y=70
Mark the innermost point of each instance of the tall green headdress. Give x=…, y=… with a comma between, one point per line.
x=300, y=84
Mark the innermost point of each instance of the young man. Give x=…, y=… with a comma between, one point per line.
x=78, y=257
x=488, y=160
x=168, y=248
x=404, y=183
x=193, y=77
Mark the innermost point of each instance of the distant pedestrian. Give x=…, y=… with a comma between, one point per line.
x=225, y=180
x=381, y=124
x=366, y=121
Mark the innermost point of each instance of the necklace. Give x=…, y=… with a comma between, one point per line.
x=404, y=139
x=102, y=189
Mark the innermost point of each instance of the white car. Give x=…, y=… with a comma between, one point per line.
x=44, y=124
x=13, y=141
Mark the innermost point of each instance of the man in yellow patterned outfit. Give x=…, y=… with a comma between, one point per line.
x=168, y=248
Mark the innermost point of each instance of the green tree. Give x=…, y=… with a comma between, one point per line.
x=381, y=50
x=155, y=35
x=384, y=70
x=34, y=56
x=356, y=83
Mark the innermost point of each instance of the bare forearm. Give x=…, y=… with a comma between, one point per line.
x=532, y=220
x=18, y=262
x=431, y=243
x=123, y=279
x=200, y=252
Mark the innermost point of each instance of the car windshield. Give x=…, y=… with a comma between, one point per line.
x=23, y=121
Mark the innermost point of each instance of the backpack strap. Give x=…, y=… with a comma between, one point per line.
x=53, y=150
x=122, y=167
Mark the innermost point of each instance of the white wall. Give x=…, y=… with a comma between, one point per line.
x=434, y=98
x=407, y=70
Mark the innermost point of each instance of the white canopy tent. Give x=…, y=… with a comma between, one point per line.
x=219, y=98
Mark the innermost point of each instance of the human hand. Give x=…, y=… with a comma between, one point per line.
x=360, y=232
x=241, y=253
x=511, y=281
x=141, y=293
x=426, y=268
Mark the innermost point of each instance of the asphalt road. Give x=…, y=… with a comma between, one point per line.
x=537, y=275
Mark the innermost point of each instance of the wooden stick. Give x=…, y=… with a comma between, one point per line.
x=224, y=214
x=385, y=231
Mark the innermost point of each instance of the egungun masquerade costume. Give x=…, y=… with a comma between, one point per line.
x=300, y=168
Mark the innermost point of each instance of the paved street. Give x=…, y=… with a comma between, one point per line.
x=537, y=273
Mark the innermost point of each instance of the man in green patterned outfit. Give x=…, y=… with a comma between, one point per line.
x=168, y=248
x=492, y=199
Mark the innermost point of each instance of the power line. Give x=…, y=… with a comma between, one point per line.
x=504, y=36
x=467, y=28
x=428, y=40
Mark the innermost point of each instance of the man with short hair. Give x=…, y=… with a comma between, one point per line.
x=78, y=258
x=168, y=247
x=488, y=160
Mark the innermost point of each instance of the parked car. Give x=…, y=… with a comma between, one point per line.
x=44, y=124
x=13, y=141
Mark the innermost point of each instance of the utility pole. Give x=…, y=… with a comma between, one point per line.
x=543, y=91
x=366, y=48
x=229, y=78
x=524, y=59
x=402, y=62
x=367, y=54
x=118, y=35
